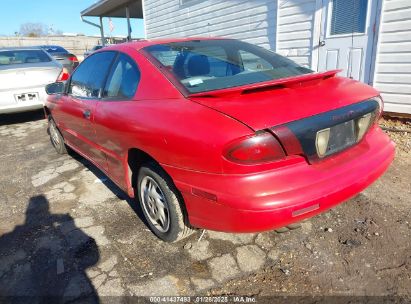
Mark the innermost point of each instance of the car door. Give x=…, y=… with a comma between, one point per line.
x=85, y=87
x=116, y=104
x=347, y=36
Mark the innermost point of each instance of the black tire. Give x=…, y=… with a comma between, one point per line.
x=178, y=227
x=56, y=138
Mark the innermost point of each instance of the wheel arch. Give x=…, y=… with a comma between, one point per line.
x=135, y=159
x=47, y=112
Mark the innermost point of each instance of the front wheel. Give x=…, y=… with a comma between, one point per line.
x=161, y=204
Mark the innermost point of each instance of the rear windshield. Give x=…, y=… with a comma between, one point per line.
x=206, y=65
x=23, y=56
x=54, y=49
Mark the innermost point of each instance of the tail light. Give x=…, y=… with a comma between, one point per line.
x=260, y=148
x=321, y=141
x=380, y=104
x=362, y=125
x=73, y=58
x=364, y=122
x=64, y=75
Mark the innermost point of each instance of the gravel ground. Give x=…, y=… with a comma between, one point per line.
x=399, y=130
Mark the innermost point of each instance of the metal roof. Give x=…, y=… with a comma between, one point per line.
x=115, y=8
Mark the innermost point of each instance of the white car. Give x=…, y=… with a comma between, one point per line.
x=24, y=74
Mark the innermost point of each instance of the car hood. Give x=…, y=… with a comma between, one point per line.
x=264, y=106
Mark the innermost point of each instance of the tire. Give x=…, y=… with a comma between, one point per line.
x=56, y=138
x=294, y=226
x=282, y=230
x=161, y=203
x=289, y=227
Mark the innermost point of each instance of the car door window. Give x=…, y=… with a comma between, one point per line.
x=89, y=77
x=123, y=79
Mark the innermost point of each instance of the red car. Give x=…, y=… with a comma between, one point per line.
x=220, y=134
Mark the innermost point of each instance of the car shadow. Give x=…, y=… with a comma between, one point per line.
x=110, y=185
x=16, y=118
x=44, y=260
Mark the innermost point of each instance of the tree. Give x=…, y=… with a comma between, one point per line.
x=33, y=29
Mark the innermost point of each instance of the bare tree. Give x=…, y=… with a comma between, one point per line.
x=33, y=29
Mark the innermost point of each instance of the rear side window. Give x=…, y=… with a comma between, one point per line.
x=123, y=79
x=88, y=79
x=23, y=57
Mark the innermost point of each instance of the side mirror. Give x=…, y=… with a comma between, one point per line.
x=55, y=88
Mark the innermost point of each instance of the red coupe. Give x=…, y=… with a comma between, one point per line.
x=220, y=134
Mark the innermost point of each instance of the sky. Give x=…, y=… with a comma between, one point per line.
x=60, y=15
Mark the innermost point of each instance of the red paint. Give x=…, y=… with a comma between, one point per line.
x=73, y=58
x=189, y=136
x=64, y=75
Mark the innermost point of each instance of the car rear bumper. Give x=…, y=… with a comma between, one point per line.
x=8, y=103
x=276, y=198
x=18, y=109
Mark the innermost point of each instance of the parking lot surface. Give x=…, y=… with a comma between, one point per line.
x=66, y=230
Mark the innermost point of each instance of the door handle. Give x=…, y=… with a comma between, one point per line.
x=322, y=43
x=86, y=114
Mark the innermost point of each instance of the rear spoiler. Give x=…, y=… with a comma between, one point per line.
x=277, y=83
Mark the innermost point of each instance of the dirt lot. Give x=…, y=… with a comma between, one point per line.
x=65, y=230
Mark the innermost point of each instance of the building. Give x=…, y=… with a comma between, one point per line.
x=370, y=40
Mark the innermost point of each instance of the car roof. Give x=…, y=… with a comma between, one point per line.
x=138, y=45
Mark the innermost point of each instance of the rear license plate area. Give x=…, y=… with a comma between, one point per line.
x=341, y=136
x=329, y=133
x=27, y=97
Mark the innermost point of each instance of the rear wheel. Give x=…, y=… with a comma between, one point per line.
x=56, y=138
x=161, y=204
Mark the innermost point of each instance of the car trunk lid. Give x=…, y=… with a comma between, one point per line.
x=20, y=76
x=264, y=105
x=61, y=56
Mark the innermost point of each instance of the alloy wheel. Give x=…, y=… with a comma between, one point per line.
x=155, y=204
x=54, y=135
